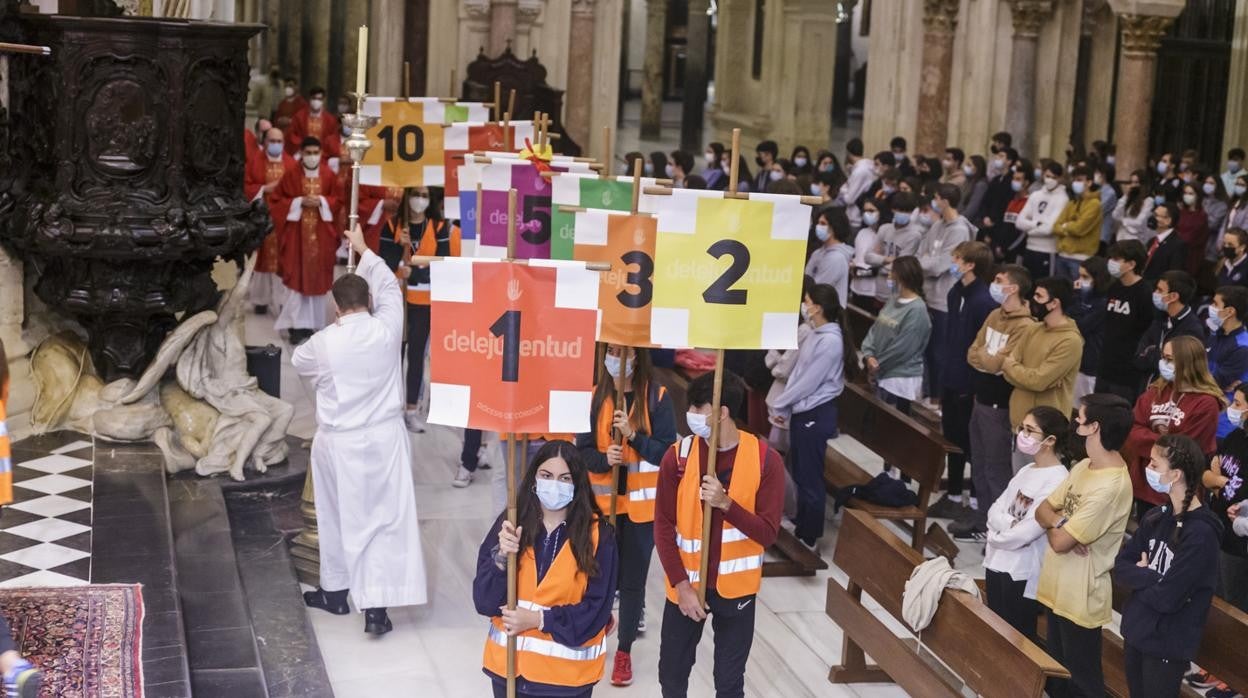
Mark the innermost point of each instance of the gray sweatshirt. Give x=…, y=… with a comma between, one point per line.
x=818, y=376
x=936, y=257
x=892, y=241
x=898, y=338
x=830, y=265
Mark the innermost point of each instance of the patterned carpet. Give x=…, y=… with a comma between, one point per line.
x=85, y=639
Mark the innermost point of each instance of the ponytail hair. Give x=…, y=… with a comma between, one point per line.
x=1053, y=423
x=1184, y=455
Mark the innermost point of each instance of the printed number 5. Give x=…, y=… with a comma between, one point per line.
x=640, y=278
x=721, y=291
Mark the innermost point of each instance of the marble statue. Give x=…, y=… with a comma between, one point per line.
x=209, y=415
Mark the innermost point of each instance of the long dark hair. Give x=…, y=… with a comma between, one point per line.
x=1184, y=455
x=909, y=273
x=583, y=512
x=433, y=213
x=640, y=384
x=826, y=297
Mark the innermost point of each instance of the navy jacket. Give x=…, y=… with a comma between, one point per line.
x=1170, y=598
x=1089, y=313
x=1228, y=362
x=969, y=307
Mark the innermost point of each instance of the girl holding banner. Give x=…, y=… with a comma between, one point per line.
x=417, y=228
x=646, y=424
x=566, y=557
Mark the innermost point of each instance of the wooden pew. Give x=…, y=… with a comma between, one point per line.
x=990, y=656
x=914, y=448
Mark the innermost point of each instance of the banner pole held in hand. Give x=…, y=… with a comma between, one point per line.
x=511, y=563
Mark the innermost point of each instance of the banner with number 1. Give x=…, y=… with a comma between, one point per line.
x=728, y=272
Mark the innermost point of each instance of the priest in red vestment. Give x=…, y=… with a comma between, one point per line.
x=261, y=178
x=316, y=122
x=292, y=103
x=368, y=202
x=306, y=198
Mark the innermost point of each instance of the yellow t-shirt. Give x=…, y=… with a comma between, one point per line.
x=1097, y=503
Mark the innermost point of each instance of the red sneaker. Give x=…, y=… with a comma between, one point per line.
x=622, y=674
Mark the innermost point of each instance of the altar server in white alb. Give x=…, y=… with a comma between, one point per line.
x=361, y=456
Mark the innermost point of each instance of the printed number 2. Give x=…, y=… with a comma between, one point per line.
x=721, y=290
x=411, y=142
x=640, y=278
x=507, y=326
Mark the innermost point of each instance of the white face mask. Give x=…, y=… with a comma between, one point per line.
x=1050, y=183
x=312, y=161
x=775, y=175
x=1189, y=199
x=710, y=158
x=968, y=170
x=316, y=104
x=698, y=425
x=553, y=494
x=800, y=162
x=418, y=203
x=613, y=366
x=289, y=92
x=669, y=170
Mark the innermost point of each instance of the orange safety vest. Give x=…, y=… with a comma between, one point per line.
x=539, y=658
x=6, y=450
x=417, y=283
x=643, y=476
x=740, y=558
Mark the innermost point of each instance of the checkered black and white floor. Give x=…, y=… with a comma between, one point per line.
x=45, y=534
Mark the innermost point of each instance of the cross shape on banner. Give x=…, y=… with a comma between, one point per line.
x=511, y=345
x=625, y=293
x=729, y=271
x=479, y=137
x=410, y=139
x=593, y=192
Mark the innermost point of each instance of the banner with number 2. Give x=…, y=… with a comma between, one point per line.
x=728, y=272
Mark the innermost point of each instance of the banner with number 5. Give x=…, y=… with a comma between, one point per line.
x=512, y=345
x=728, y=272
x=533, y=208
x=625, y=292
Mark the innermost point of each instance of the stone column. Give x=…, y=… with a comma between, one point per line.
x=578, y=99
x=1235, y=128
x=1079, y=112
x=385, y=47
x=1020, y=102
x=694, y=107
x=940, y=18
x=652, y=69
x=502, y=25
x=1137, y=73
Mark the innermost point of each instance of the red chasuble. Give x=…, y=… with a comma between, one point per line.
x=308, y=245
x=324, y=127
x=261, y=171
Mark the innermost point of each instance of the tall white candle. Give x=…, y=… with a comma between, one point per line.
x=361, y=61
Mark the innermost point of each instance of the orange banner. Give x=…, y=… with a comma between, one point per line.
x=624, y=293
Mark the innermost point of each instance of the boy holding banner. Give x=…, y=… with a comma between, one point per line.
x=747, y=495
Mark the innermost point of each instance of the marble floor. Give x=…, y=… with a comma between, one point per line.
x=437, y=647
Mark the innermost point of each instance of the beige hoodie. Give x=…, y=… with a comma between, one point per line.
x=1042, y=368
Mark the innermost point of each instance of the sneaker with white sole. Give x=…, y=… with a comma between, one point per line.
x=413, y=421
x=482, y=462
x=463, y=478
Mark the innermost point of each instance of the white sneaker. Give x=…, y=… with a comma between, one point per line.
x=641, y=623
x=482, y=462
x=414, y=423
x=463, y=478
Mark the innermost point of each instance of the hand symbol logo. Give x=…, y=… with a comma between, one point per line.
x=513, y=290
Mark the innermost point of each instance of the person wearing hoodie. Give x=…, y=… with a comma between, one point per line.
x=1225, y=480
x=991, y=431
x=1184, y=400
x=940, y=274
x=1037, y=219
x=1078, y=227
x=1171, y=567
x=1089, y=311
x=829, y=264
x=1172, y=294
x=1227, y=345
x=897, y=238
x=969, y=303
x=1044, y=364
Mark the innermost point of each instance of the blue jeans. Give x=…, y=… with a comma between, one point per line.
x=809, y=432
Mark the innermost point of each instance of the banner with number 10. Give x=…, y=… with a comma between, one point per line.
x=728, y=272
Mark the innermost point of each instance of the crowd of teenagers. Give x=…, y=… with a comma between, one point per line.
x=1078, y=335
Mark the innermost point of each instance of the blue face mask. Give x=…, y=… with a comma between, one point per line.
x=554, y=495
x=1077, y=187
x=870, y=218
x=273, y=149
x=1154, y=481
x=997, y=293
x=1159, y=199
x=1165, y=369
x=901, y=220
x=1159, y=301
x=613, y=366
x=892, y=286
x=953, y=269
x=936, y=206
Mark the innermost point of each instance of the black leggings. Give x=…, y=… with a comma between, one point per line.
x=1005, y=598
x=636, y=545
x=417, y=342
x=1153, y=677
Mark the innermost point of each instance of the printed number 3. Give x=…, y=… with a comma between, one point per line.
x=721, y=291
x=640, y=278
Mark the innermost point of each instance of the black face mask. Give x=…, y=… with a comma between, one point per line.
x=1229, y=252
x=759, y=161
x=1038, y=311
x=1152, y=222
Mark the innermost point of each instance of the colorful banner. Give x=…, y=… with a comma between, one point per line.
x=625, y=292
x=533, y=208
x=590, y=191
x=480, y=137
x=512, y=345
x=729, y=271
x=409, y=143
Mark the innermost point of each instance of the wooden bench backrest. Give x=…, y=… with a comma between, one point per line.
x=901, y=441
x=860, y=322
x=988, y=654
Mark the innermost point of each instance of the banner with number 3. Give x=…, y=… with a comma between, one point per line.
x=728, y=272
x=512, y=345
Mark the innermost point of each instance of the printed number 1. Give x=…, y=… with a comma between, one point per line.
x=721, y=291
x=507, y=326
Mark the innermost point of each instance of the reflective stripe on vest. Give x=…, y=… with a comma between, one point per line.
x=642, y=480
x=741, y=558
x=539, y=657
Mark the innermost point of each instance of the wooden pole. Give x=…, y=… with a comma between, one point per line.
x=509, y=140
x=735, y=159
x=619, y=435
x=511, y=109
x=712, y=455
x=637, y=170
x=498, y=102
x=511, y=224
x=407, y=79
x=511, y=563
x=606, y=150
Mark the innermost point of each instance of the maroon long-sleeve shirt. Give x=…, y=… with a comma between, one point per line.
x=761, y=525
